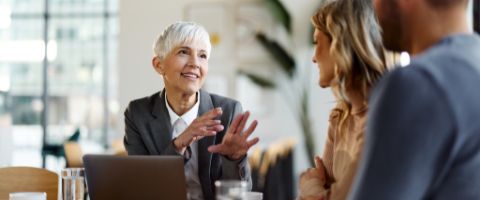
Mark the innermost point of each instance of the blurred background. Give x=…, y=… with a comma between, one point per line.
x=68, y=69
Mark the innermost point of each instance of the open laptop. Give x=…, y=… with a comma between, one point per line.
x=135, y=177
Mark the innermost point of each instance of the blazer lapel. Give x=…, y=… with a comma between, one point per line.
x=205, y=157
x=161, y=129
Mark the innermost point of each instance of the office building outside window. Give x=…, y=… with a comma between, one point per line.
x=62, y=52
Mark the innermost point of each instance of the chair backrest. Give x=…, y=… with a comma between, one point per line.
x=118, y=147
x=73, y=154
x=28, y=179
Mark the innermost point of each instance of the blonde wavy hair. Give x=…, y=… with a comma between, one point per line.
x=356, y=46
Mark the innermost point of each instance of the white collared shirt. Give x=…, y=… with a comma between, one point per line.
x=194, y=187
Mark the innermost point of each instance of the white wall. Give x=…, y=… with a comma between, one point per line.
x=470, y=14
x=141, y=21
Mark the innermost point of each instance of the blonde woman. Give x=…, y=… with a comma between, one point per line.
x=350, y=57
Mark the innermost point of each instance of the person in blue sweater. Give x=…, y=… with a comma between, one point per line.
x=423, y=130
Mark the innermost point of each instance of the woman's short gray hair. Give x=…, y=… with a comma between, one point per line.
x=180, y=33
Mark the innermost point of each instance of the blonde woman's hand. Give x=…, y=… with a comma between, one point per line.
x=312, y=181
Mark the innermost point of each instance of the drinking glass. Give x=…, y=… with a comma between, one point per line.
x=73, y=184
x=28, y=196
x=231, y=190
x=254, y=196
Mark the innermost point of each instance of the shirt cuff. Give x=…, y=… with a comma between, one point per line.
x=236, y=168
x=186, y=155
x=238, y=161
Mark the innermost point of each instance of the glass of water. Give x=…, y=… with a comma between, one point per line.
x=28, y=196
x=73, y=184
x=231, y=189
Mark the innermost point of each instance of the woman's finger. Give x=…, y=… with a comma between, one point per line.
x=211, y=114
x=252, y=142
x=211, y=122
x=216, y=128
x=219, y=148
x=318, y=162
x=241, y=126
x=204, y=132
x=236, y=121
x=250, y=129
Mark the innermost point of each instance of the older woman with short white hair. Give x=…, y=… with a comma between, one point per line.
x=207, y=130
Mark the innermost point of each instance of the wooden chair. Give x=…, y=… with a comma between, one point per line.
x=57, y=150
x=28, y=179
x=118, y=147
x=73, y=154
x=272, y=170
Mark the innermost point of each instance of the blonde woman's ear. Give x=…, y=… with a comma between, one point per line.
x=157, y=65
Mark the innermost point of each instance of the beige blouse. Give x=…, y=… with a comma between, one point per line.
x=342, y=154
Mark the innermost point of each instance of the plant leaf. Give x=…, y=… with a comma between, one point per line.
x=258, y=80
x=280, y=13
x=278, y=53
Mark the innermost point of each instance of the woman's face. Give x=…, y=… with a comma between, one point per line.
x=323, y=58
x=185, y=68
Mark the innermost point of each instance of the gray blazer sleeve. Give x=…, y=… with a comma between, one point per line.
x=135, y=145
x=132, y=140
x=239, y=169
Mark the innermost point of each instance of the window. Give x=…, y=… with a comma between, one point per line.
x=74, y=75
